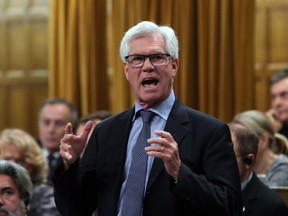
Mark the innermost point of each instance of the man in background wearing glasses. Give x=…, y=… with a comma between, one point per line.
x=190, y=167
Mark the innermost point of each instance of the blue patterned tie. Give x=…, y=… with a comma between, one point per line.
x=135, y=186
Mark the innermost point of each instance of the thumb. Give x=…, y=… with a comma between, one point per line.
x=68, y=129
x=86, y=130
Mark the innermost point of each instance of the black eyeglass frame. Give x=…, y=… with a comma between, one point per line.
x=149, y=57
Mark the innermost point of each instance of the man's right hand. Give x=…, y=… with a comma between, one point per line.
x=72, y=145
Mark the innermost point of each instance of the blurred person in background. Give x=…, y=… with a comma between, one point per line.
x=281, y=144
x=258, y=199
x=95, y=118
x=15, y=189
x=19, y=146
x=278, y=113
x=54, y=114
x=271, y=167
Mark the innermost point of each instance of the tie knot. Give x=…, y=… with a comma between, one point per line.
x=147, y=116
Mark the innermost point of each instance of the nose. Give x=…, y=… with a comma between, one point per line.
x=276, y=101
x=147, y=65
x=51, y=126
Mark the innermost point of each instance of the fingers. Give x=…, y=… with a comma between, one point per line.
x=165, y=143
x=72, y=145
x=165, y=149
x=271, y=113
x=68, y=133
x=163, y=139
x=66, y=155
x=164, y=134
x=156, y=149
x=277, y=124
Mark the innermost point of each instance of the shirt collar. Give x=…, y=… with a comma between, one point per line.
x=244, y=183
x=162, y=109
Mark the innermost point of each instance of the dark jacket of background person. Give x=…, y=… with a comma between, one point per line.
x=259, y=200
x=54, y=114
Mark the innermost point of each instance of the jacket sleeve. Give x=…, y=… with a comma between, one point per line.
x=213, y=180
x=70, y=196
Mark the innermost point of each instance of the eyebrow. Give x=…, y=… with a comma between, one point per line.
x=6, y=188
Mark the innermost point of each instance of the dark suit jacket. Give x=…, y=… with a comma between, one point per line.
x=208, y=184
x=260, y=200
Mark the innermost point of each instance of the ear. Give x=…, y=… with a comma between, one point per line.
x=175, y=66
x=264, y=140
x=248, y=159
x=125, y=66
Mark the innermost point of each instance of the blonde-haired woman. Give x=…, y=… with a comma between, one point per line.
x=271, y=166
x=20, y=147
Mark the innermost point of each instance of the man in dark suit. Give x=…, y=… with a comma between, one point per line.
x=258, y=199
x=191, y=168
x=54, y=114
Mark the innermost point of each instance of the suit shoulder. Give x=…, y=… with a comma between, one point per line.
x=199, y=116
x=196, y=118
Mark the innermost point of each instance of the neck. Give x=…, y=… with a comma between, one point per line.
x=264, y=161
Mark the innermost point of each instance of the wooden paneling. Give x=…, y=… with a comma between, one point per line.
x=282, y=192
x=271, y=46
x=24, y=56
x=23, y=62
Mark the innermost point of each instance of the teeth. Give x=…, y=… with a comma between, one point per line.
x=151, y=84
x=145, y=80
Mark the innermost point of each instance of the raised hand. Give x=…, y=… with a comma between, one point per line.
x=72, y=145
x=277, y=124
x=166, y=150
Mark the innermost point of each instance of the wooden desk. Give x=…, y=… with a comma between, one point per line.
x=282, y=191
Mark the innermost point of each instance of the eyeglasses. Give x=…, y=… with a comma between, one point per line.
x=156, y=59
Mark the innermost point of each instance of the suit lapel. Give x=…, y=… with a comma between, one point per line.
x=176, y=126
x=123, y=125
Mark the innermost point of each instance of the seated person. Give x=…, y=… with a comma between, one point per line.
x=54, y=114
x=95, y=117
x=278, y=113
x=258, y=199
x=271, y=167
x=15, y=189
x=281, y=144
x=18, y=146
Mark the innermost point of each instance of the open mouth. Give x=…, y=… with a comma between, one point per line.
x=3, y=212
x=150, y=82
